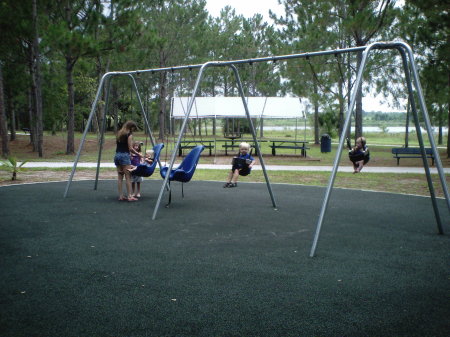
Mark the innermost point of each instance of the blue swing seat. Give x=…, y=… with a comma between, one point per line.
x=186, y=169
x=146, y=170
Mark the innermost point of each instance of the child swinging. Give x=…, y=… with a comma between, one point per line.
x=241, y=165
x=359, y=155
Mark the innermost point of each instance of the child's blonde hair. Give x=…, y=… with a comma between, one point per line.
x=150, y=153
x=244, y=145
x=363, y=141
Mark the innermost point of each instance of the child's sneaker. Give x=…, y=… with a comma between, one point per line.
x=233, y=185
x=226, y=185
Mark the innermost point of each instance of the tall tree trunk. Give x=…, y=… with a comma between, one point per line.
x=341, y=118
x=213, y=93
x=12, y=127
x=358, y=102
x=51, y=109
x=36, y=79
x=261, y=127
x=448, y=133
x=70, y=149
x=349, y=88
x=408, y=113
x=12, y=116
x=316, y=115
x=115, y=110
x=33, y=105
x=97, y=124
x=441, y=123
x=162, y=104
x=3, y=123
x=448, y=119
x=102, y=108
x=225, y=85
x=70, y=63
x=31, y=118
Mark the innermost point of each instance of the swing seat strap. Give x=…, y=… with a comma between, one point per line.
x=170, y=195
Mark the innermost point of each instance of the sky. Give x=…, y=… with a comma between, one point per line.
x=248, y=8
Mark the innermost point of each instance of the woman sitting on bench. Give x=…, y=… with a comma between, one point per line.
x=359, y=155
x=242, y=165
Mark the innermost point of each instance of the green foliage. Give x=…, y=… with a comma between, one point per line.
x=87, y=88
x=426, y=26
x=92, y=37
x=12, y=166
x=54, y=96
x=329, y=123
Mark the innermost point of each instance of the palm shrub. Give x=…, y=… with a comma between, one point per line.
x=12, y=166
x=328, y=123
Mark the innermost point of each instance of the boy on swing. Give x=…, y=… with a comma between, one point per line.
x=359, y=155
x=242, y=165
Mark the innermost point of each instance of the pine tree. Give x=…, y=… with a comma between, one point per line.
x=71, y=32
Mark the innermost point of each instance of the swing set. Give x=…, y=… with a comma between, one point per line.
x=414, y=93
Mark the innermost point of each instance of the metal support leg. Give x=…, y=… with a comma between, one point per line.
x=420, y=139
x=426, y=117
x=83, y=138
x=339, y=149
x=180, y=136
x=102, y=133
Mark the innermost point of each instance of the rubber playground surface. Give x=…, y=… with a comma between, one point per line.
x=220, y=262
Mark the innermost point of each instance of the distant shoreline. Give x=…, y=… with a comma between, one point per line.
x=390, y=129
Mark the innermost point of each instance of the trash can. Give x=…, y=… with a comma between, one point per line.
x=325, y=143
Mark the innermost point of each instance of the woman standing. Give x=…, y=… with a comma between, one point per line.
x=122, y=160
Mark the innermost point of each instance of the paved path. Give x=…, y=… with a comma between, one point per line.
x=372, y=169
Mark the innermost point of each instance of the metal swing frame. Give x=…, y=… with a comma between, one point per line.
x=186, y=118
x=409, y=68
x=106, y=82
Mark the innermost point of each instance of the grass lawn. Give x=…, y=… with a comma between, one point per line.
x=54, y=150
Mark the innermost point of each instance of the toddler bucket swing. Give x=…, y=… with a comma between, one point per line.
x=242, y=164
x=146, y=170
x=355, y=157
x=184, y=172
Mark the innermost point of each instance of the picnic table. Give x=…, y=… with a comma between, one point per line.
x=289, y=144
x=190, y=144
x=233, y=143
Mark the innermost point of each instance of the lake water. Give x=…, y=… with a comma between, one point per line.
x=391, y=129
